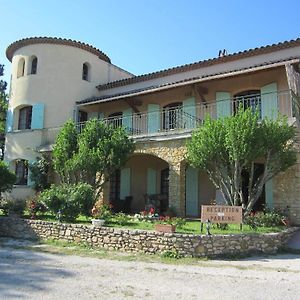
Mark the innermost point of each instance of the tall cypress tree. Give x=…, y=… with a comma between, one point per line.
x=3, y=110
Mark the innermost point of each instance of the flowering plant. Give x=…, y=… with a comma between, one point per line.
x=101, y=210
x=179, y=222
x=145, y=215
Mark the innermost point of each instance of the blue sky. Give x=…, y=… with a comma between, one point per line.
x=143, y=36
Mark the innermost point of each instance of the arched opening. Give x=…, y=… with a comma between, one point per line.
x=21, y=171
x=172, y=116
x=247, y=99
x=86, y=72
x=34, y=62
x=21, y=67
x=25, y=116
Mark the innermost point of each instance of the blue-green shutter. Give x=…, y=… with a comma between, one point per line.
x=269, y=194
x=223, y=104
x=9, y=120
x=127, y=119
x=269, y=101
x=191, y=192
x=151, y=181
x=189, y=113
x=125, y=183
x=153, y=118
x=100, y=115
x=37, y=121
x=92, y=115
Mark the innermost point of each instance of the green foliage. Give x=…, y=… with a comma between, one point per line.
x=171, y=254
x=12, y=206
x=101, y=210
x=69, y=199
x=39, y=171
x=3, y=110
x=264, y=219
x=121, y=218
x=7, y=178
x=225, y=148
x=179, y=222
x=97, y=152
x=35, y=206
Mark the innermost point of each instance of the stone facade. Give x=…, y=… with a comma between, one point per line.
x=140, y=241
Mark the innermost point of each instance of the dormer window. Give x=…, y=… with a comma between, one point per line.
x=25, y=116
x=85, y=72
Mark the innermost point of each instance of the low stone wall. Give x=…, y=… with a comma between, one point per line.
x=146, y=241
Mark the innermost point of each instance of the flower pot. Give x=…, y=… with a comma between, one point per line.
x=98, y=222
x=168, y=228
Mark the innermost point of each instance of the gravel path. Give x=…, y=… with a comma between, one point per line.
x=26, y=274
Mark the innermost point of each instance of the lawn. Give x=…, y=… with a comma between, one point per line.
x=191, y=226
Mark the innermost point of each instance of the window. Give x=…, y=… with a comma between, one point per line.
x=164, y=181
x=34, y=65
x=82, y=116
x=22, y=172
x=172, y=116
x=25, y=115
x=248, y=99
x=114, y=193
x=21, y=68
x=85, y=72
x=115, y=119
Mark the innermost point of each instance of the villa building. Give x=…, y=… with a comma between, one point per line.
x=55, y=79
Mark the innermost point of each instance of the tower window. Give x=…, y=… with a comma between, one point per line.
x=34, y=65
x=85, y=72
x=21, y=68
x=25, y=115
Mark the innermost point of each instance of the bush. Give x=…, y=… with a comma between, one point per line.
x=121, y=218
x=69, y=200
x=12, y=206
x=101, y=210
x=7, y=178
x=264, y=219
x=171, y=254
x=35, y=205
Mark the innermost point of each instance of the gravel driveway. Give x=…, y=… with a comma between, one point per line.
x=26, y=274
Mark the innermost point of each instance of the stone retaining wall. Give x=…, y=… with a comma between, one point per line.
x=146, y=241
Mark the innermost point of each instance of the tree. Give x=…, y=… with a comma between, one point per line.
x=91, y=156
x=227, y=148
x=3, y=110
x=7, y=178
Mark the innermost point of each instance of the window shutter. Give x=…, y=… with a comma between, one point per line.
x=269, y=194
x=223, y=104
x=153, y=118
x=191, y=185
x=189, y=113
x=9, y=120
x=151, y=181
x=37, y=121
x=269, y=103
x=100, y=115
x=127, y=120
x=29, y=181
x=125, y=183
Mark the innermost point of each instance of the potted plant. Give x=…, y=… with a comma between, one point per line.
x=101, y=212
x=165, y=224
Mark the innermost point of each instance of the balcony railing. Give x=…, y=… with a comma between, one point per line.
x=183, y=119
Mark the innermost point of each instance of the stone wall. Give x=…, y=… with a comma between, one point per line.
x=145, y=241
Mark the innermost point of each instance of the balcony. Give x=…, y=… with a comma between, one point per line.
x=182, y=120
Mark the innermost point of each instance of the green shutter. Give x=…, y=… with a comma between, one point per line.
x=37, y=121
x=125, y=183
x=223, y=104
x=191, y=192
x=189, y=113
x=151, y=181
x=269, y=103
x=269, y=194
x=9, y=120
x=127, y=119
x=153, y=118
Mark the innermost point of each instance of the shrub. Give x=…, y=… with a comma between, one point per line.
x=264, y=219
x=101, y=210
x=171, y=254
x=35, y=205
x=179, y=222
x=69, y=200
x=12, y=206
x=7, y=178
x=121, y=218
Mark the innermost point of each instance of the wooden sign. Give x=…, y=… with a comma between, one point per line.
x=221, y=214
